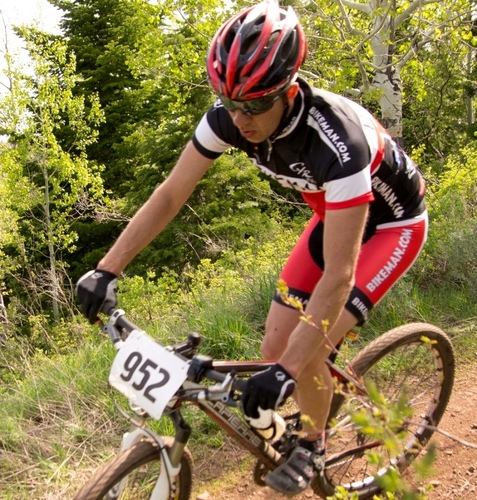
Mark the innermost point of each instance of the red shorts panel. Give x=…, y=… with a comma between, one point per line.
x=384, y=258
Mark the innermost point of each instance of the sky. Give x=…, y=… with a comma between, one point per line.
x=39, y=13
x=29, y=12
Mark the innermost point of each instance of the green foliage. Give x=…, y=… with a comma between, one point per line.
x=370, y=53
x=434, y=106
x=48, y=131
x=103, y=36
x=15, y=196
x=383, y=421
x=450, y=252
x=226, y=301
x=231, y=204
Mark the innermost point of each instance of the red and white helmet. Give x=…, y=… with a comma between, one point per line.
x=256, y=53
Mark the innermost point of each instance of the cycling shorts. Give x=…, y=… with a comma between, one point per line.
x=388, y=252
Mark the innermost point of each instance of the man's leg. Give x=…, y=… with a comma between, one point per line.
x=315, y=384
x=387, y=254
x=281, y=321
x=313, y=395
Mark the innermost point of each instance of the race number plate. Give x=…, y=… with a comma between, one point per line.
x=147, y=373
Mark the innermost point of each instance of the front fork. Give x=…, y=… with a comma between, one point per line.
x=170, y=457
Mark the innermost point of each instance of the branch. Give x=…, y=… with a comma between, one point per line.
x=347, y=20
x=6, y=52
x=449, y=435
x=428, y=36
x=363, y=7
x=417, y=4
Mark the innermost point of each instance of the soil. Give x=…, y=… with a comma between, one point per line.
x=453, y=475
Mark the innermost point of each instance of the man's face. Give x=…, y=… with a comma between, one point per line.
x=258, y=127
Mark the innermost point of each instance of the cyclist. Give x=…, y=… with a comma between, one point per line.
x=369, y=218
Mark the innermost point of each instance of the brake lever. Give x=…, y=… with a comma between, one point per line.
x=220, y=392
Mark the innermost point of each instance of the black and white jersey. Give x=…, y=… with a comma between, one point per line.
x=333, y=151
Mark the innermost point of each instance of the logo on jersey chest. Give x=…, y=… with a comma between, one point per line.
x=327, y=132
x=301, y=170
x=300, y=177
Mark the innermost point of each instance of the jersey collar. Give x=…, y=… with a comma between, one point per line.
x=293, y=119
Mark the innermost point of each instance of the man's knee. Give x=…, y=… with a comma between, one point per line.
x=281, y=322
x=271, y=349
x=276, y=337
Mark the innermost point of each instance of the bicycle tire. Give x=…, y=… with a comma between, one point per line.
x=127, y=464
x=399, y=360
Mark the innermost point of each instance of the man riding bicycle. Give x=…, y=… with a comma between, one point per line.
x=368, y=226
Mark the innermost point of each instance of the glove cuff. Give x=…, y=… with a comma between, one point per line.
x=280, y=367
x=106, y=274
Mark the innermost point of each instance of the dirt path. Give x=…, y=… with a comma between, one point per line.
x=455, y=470
x=453, y=477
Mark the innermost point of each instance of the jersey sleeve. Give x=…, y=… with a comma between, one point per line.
x=349, y=191
x=210, y=136
x=364, y=152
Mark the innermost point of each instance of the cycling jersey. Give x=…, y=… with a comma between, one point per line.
x=333, y=151
x=337, y=155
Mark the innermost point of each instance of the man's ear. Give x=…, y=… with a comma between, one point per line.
x=292, y=91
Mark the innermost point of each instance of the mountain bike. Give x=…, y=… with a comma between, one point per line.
x=412, y=365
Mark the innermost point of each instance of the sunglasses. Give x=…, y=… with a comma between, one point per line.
x=252, y=106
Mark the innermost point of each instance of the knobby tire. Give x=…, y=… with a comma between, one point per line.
x=128, y=462
x=399, y=360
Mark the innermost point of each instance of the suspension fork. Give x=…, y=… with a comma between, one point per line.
x=181, y=437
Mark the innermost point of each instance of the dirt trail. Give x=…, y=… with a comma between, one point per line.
x=453, y=475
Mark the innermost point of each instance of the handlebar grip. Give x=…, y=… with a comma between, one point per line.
x=239, y=384
x=120, y=320
x=126, y=324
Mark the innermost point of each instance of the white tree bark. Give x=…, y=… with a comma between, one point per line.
x=384, y=21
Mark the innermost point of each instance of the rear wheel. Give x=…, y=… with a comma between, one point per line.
x=413, y=363
x=140, y=465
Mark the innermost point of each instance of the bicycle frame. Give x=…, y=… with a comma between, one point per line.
x=158, y=380
x=216, y=403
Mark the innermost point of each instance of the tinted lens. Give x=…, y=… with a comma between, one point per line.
x=251, y=107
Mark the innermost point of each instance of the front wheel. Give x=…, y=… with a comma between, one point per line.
x=140, y=466
x=413, y=364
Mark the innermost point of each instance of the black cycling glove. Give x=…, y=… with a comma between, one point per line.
x=268, y=390
x=96, y=291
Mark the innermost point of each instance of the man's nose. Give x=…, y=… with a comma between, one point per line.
x=239, y=117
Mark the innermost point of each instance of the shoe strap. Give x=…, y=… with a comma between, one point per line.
x=315, y=459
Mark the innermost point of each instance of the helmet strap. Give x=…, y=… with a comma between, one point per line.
x=286, y=116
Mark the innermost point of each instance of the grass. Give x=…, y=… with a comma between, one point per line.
x=58, y=420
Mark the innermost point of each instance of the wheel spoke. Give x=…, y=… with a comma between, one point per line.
x=399, y=363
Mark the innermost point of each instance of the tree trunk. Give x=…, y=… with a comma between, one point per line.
x=387, y=76
x=3, y=310
x=54, y=284
x=389, y=82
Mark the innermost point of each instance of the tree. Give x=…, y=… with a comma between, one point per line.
x=372, y=43
x=471, y=87
x=146, y=62
x=103, y=36
x=58, y=182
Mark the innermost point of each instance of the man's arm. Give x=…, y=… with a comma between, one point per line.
x=96, y=290
x=158, y=211
x=343, y=232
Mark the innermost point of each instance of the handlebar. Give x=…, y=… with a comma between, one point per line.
x=119, y=327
